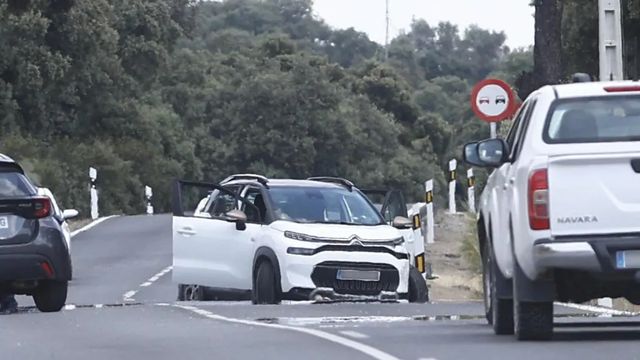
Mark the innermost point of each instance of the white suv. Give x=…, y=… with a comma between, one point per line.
x=559, y=217
x=271, y=240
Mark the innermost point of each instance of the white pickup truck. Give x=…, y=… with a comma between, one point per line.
x=559, y=218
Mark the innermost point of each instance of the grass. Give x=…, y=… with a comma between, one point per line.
x=470, y=248
x=78, y=223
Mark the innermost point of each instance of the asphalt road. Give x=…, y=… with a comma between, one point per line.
x=122, y=306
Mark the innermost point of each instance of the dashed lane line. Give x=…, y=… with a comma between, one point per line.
x=362, y=348
x=128, y=296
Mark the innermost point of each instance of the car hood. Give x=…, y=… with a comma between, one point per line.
x=340, y=232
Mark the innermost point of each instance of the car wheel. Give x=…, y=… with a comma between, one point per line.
x=499, y=312
x=418, y=290
x=264, y=287
x=193, y=293
x=50, y=296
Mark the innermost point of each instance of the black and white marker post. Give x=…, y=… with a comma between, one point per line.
x=429, y=223
x=471, y=191
x=93, y=177
x=148, y=194
x=453, y=164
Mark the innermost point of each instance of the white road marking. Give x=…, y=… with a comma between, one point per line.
x=306, y=321
x=69, y=307
x=365, y=349
x=128, y=296
x=92, y=224
x=354, y=334
x=598, y=309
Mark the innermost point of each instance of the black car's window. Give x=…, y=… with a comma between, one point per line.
x=13, y=184
x=323, y=205
x=589, y=120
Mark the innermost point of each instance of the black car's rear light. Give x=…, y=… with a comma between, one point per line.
x=41, y=207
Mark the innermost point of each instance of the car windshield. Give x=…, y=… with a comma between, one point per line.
x=323, y=205
x=606, y=119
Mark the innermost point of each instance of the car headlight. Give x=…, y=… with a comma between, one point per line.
x=298, y=236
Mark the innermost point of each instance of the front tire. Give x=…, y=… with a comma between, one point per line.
x=418, y=290
x=499, y=312
x=191, y=293
x=264, y=285
x=51, y=295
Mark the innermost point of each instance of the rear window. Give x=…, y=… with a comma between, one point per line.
x=13, y=184
x=605, y=119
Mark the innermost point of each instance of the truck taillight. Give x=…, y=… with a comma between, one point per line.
x=539, y=200
x=41, y=207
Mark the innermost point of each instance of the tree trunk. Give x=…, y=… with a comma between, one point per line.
x=547, y=51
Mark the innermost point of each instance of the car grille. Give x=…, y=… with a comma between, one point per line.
x=325, y=275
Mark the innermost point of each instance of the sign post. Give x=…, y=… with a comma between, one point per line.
x=148, y=194
x=453, y=164
x=492, y=100
x=428, y=199
x=93, y=177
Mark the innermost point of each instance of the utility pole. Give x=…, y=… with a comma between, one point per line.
x=386, y=36
x=610, y=40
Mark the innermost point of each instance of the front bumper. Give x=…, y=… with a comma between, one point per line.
x=588, y=253
x=319, y=270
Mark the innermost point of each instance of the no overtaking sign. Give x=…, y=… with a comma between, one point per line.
x=492, y=100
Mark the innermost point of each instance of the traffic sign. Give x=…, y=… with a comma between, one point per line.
x=492, y=100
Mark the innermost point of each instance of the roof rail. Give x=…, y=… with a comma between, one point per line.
x=335, y=180
x=259, y=178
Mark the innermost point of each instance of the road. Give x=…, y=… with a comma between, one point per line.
x=122, y=305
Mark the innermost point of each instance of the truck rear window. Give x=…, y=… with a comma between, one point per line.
x=13, y=184
x=589, y=120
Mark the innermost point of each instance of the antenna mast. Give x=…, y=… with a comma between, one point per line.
x=386, y=36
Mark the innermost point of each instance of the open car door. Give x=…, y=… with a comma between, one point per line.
x=392, y=203
x=211, y=246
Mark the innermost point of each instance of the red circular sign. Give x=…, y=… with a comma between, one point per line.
x=492, y=100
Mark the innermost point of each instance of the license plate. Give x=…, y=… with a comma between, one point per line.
x=361, y=275
x=629, y=259
x=4, y=224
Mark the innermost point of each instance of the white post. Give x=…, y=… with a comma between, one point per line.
x=494, y=131
x=610, y=40
x=453, y=164
x=471, y=191
x=428, y=198
x=148, y=194
x=93, y=176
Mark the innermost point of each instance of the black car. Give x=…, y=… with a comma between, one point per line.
x=34, y=257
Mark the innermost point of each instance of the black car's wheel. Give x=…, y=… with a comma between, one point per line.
x=265, y=290
x=418, y=290
x=499, y=312
x=191, y=292
x=50, y=296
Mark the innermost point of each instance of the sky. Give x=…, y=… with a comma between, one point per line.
x=514, y=17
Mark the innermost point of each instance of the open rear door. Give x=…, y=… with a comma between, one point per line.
x=392, y=203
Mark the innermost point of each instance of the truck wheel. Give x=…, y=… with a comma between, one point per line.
x=418, y=290
x=264, y=285
x=533, y=320
x=499, y=312
x=50, y=295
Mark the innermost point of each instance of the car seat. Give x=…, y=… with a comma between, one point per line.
x=576, y=125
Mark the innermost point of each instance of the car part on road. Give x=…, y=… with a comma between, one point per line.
x=191, y=293
x=50, y=295
x=418, y=290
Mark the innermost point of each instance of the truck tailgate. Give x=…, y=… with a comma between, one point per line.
x=594, y=194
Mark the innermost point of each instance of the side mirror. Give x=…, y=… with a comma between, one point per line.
x=486, y=153
x=401, y=222
x=69, y=214
x=238, y=217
